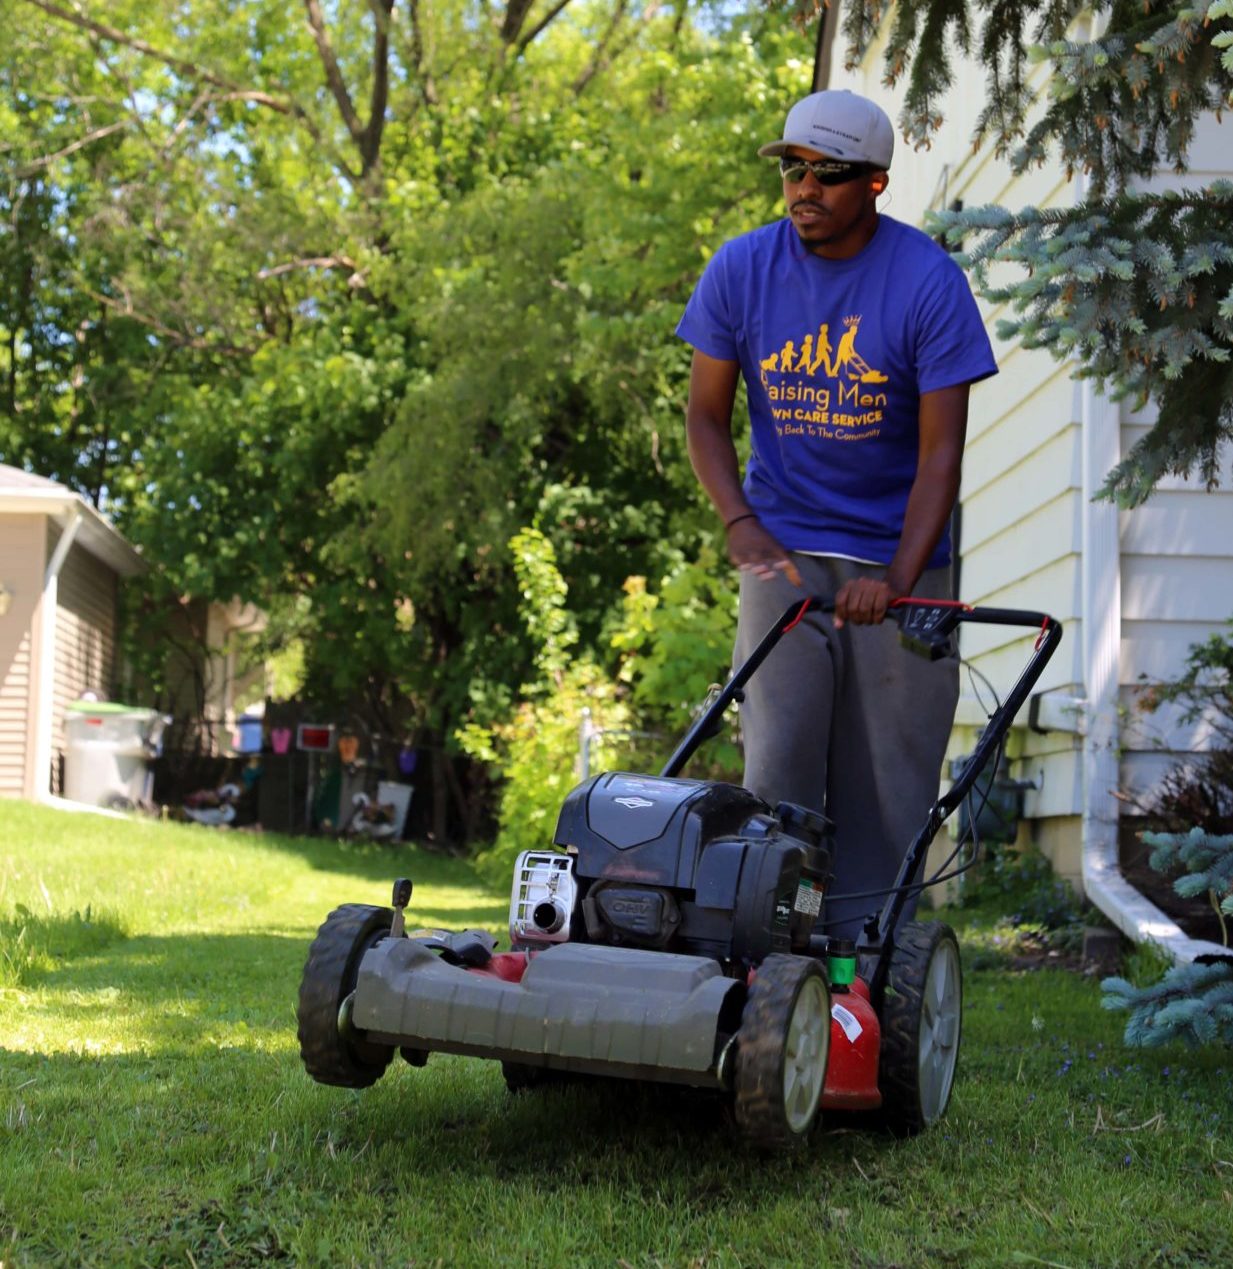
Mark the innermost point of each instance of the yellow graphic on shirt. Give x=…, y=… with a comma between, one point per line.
x=824, y=391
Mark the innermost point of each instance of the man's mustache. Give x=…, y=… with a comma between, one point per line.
x=808, y=202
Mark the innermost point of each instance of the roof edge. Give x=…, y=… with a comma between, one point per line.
x=99, y=536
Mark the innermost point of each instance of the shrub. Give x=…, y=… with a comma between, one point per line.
x=1022, y=884
x=1199, y=789
x=536, y=754
x=668, y=648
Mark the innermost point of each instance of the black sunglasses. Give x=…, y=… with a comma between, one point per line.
x=825, y=171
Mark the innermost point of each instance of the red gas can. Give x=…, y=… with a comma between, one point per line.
x=856, y=1039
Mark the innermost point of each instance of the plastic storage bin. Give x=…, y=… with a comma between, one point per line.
x=108, y=751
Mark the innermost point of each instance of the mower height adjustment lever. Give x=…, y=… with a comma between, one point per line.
x=400, y=899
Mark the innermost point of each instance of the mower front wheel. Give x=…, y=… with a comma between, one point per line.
x=920, y=1017
x=782, y=1050
x=331, y=1051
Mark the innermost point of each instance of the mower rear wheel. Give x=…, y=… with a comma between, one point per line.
x=921, y=1019
x=783, y=1047
x=332, y=1053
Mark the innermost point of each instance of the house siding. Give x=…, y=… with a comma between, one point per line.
x=21, y=570
x=1022, y=494
x=1177, y=557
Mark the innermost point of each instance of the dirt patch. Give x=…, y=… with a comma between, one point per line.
x=1046, y=959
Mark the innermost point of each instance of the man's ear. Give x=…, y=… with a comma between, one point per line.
x=878, y=183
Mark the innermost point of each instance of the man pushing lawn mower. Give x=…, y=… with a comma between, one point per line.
x=697, y=932
x=857, y=338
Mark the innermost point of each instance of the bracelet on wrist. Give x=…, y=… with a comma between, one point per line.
x=748, y=515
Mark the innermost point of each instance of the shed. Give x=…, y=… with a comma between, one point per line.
x=61, y=563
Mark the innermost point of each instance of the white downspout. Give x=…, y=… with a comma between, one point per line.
x=47, y=659
x=1101, y=609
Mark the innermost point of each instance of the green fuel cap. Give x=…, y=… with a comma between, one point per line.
x=841, y=962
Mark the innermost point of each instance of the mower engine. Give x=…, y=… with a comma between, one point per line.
x=705, y=869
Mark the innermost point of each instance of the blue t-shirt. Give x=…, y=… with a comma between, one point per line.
x=835, y=355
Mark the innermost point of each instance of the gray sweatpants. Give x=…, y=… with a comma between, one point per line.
x=847, y=722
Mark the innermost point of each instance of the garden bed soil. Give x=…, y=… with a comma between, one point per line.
x=1195, y=916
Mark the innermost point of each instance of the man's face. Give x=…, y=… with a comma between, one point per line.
x=832, y=220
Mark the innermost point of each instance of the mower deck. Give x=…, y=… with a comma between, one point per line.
x=597, y=1010
x=576, y=1006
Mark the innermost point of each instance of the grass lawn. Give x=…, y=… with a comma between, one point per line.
x=153, y=1109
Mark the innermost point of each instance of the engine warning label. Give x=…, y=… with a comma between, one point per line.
x=808, y=898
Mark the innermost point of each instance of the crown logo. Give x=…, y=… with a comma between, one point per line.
x=854, y=320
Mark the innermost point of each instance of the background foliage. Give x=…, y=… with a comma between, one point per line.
x=324, y=306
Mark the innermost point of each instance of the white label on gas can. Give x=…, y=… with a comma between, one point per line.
x=848, y=1021
x=808, y=899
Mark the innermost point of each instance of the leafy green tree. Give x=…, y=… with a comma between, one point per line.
x=380, y=287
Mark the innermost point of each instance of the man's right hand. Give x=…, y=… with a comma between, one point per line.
x=752, y=548
x=708, y=430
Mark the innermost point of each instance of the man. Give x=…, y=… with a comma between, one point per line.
x=858, y=339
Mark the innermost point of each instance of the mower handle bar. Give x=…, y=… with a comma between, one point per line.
x=936, y=618
x=925, y=625
x=987, y=745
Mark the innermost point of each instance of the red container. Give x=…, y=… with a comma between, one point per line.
x=856, y=1039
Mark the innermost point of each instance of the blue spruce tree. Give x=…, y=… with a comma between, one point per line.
x=1135, y=288
x=1192, y=1002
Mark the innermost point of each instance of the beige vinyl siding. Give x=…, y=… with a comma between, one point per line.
x=1032, y=424
x=1022, y=495
x=1022, y=481
x=1022, y=465
x=85, y=631
x=1177, y=590
x=21, y=571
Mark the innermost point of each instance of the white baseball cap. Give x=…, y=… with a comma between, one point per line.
x=839, y=124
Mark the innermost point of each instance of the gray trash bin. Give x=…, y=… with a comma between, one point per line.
x=108, y=751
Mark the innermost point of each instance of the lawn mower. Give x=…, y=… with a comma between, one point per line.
x=676, y=934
